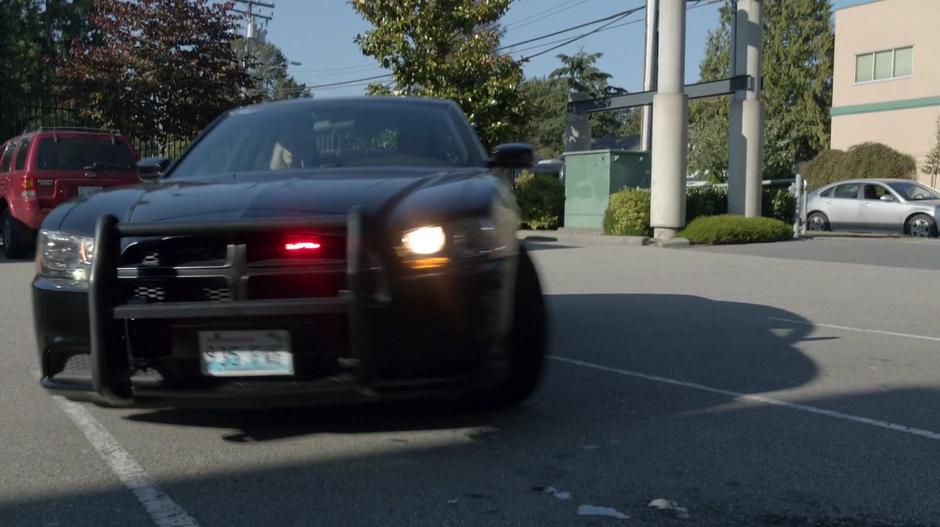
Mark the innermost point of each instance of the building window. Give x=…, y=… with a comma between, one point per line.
x=884, y=65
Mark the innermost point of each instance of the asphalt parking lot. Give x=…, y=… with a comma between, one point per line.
x=786, y=384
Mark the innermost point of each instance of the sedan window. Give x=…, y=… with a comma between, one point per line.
x=874, y=191
x=911, y=191
x=826, y=193
x=847, y=191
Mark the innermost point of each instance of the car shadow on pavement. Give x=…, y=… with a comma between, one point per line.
x=742, y=347
x=599, y=435
x=256, y=425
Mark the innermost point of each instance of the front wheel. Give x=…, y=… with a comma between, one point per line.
x=921, y=226
x=16, y=237
x=817, y=221
x=528, y=340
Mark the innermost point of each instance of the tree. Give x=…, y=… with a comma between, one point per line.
x=35, y=36
x=162, y=68
x=797, y=89
x=448, y=49
x=269, y=74
x=931, y=165
x=579, y=74
x=709, y=118
x=545, y=124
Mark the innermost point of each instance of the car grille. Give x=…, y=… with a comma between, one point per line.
x=199, y=269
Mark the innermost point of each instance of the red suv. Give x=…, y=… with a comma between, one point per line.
x=41, y=169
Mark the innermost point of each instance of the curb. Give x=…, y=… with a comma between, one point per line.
x=582, y=239
x=672, y=243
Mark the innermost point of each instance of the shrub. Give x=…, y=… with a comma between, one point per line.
x=541, y=199
x=705, y=201
x=628, y=213
x=823, y=169
x=779, y=204
x=866, y=160
x=875, y=160
x=729, y=229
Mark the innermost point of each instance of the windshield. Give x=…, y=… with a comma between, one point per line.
x=911, y=191
x=369, y=133
x=77, y=153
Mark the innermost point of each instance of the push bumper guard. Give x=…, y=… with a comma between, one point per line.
x=109, y=358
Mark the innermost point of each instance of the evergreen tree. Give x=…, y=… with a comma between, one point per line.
x=797, y=89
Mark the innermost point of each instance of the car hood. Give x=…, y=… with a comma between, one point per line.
x=263, y=197
x=320, y=192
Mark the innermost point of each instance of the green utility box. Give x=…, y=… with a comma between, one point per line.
x=592, y=176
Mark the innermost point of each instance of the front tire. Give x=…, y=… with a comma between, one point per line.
x=817, y=222
x=528, y=340
x=921, y=226
x=16, y=237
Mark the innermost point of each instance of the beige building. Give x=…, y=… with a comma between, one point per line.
x=886, y=78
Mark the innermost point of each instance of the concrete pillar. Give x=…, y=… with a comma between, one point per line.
x=577, y=128
x=670, y=125
x=746, y=136
x=649, y=71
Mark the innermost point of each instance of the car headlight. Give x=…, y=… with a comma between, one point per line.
x=424, y=241
x=62, y=255
x=434, y=246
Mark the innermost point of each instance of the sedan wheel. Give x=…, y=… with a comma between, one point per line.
x=817, y=222
x=921, y=226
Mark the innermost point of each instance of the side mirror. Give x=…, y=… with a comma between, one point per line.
x=513, y=156
x=152, y=168
x=887, y=197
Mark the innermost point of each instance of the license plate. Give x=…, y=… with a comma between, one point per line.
x=245, y=353
x=88, y=191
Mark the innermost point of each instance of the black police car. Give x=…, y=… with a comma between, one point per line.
x=300, y=252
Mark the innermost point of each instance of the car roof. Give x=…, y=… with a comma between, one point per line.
x=337, y=102
x=871, y=180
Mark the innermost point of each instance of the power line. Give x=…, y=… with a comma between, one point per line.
x=611, y=24
x=535, y=18
x=572, y=28
x=574, y=39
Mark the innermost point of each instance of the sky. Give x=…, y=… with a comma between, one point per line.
x=320, y=35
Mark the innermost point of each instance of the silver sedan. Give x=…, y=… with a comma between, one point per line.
x=875, y=205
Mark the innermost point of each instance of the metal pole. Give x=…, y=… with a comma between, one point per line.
x=798, y=209
x=745, y=141
x=649, y=70
x=670, y=125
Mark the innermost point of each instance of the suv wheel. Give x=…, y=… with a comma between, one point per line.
x=16, y=237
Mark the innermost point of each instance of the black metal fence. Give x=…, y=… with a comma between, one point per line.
x=19, y=114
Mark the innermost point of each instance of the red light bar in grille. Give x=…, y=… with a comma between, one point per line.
x=301, y=245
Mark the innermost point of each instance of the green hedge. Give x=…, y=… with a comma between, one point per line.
x=866, y=160
x=705, y=201
x=730, y=229
x=628, y=210
x=711, y=201
x=541, y=199
x=628, y=213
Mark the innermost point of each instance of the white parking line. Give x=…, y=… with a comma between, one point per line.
x=736, y=396
x=162, y=509
x=859, y=330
